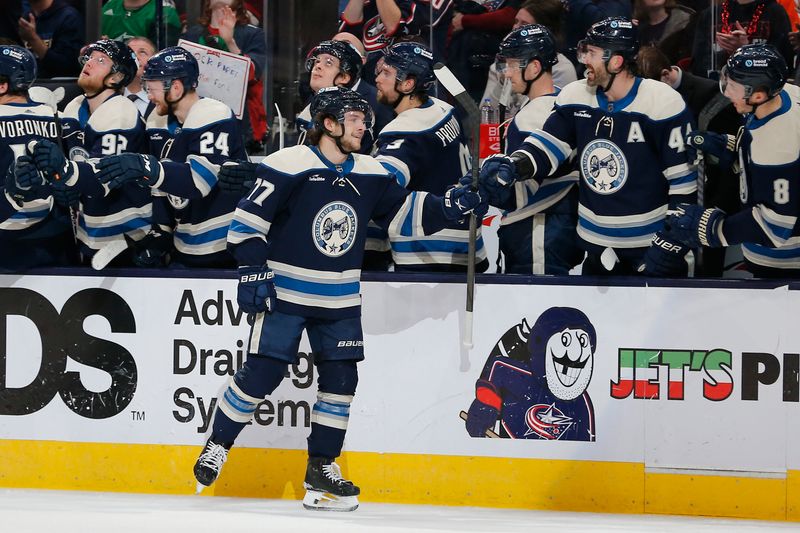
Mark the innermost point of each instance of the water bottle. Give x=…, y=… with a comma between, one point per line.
x=490, y=130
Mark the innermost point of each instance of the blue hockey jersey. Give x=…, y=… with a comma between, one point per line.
x=530, y=197
x=769, y=157
x=425, y=149
x=306, y=219
x=200, y=225
x=113, y=128
x=631, y=158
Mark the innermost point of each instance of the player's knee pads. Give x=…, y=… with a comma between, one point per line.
x=257, y=378
x=337, y=385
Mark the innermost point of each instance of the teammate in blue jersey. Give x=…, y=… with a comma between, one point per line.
x=540, y=392
x=537, y=230
x=183, y=124
x=338, y=63
x=767, y=152
x=100, y=123
x=33, y=231
x=425, y=149
x=628, y=133
x=299, y=239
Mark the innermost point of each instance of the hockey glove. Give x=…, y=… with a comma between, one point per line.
x=722, y=147
x=152, y=250
x=460, y=200
x=50, y=160
x=64, y=195
x=496, y=181
x=482, y=415
x=256, y=292
x=665, y=258
x=695, y=226
x=237, y=176
x=142, y=169
x=23, y=181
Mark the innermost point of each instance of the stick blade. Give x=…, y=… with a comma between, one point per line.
x=107, y=253
x=448, y=79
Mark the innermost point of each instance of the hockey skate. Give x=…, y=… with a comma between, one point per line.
x=326, y=490
x=209, y=464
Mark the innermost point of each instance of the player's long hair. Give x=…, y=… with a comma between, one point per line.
x=237, y=6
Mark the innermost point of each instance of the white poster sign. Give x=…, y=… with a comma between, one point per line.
x=223, y=75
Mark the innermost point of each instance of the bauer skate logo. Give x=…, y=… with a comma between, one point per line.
x=349, y=344
x=603, y=166
x=62, y=338
x=334, y=229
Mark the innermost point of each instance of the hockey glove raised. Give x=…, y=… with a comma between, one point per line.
x=237, y=176
x=50, y=160
x=460, y=200
x=23, y=181
x=695, y=226
x=665, y=258
x=151, y=251
x=256, y=293
x=142, y=169
x=721, y=146
x=482, y=415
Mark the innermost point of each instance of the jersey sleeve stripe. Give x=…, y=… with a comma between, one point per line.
x=204, y=178
x=397, y=167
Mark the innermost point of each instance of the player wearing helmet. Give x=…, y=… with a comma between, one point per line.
x=299, y=239
x=628, y=134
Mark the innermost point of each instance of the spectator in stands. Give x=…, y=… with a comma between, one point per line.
x=225, y=25
x=581, y=14
x=478, y=29
x=740, y=22
x=144, y=50
x=666, y=24
x=549, y=14
x=53, y=31
x=123, y=19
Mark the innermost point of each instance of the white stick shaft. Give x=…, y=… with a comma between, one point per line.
x=280, y=128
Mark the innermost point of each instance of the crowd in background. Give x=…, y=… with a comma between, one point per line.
x=674, y=36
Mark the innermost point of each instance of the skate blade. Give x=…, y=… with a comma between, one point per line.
x=199, y=488
x=325, y=501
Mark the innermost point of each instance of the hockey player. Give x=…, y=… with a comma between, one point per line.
x=629, y=136
x=299, y=238
x=181, y=125
x=33, y=231
x=425, y=149
x=100, y=123
x=537, y=232
x=768, y=152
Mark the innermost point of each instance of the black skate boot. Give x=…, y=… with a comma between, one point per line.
x=326, y=490
x=209, y=464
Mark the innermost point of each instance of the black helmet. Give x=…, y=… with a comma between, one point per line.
x=757, y=67
x=335, y=102
x=413, y=59
x=529, y=42
x=123, y=59
x=18, y=66
x=173, y=63
x=615, y=35
x=350, y=59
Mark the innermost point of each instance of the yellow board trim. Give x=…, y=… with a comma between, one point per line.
x=606, y=487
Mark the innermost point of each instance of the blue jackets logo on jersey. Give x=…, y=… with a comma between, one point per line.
x=603, y=166
x=535, y=381
x=177, y=202
x=334, y=229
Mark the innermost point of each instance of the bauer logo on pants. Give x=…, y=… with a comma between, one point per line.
x=535, y=380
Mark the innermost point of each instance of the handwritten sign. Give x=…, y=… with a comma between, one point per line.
x=223, y=75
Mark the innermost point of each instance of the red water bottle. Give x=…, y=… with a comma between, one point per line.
x=490, y=130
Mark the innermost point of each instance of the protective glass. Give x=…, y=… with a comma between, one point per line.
x=354, y=119
x=97, y=57
x=733, y=89
x=327, y=62
x=587, y=52
x=156, y=86
x=504, y=63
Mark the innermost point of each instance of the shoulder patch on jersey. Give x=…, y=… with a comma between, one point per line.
x=207, y=111
x=657, y=100
x=71, y=111
x=577, y=93
x=365, y=164
x=419, y=119
x=117, y=113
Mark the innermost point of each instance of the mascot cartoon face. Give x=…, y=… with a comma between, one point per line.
x=562, y=346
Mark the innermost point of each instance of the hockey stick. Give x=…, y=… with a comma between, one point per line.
x=454, y=87
x=489, y=433
x=280, y=127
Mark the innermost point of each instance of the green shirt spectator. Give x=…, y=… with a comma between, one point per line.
x=124, y=19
